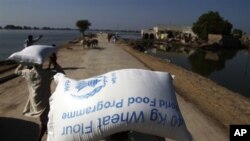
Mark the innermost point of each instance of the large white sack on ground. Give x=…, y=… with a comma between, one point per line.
x=35, y=54
x=130, y=99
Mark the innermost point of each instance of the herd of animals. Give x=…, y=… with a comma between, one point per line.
x=90, y=43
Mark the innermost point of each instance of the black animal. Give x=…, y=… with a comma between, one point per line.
x=90, y=43
x=94, y=42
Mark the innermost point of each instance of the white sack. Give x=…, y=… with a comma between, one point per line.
x=35, y=54
x=131, y=99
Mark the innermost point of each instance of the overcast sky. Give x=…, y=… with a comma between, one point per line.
x=120, y=14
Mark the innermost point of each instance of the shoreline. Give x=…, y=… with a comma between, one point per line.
x=223, y=105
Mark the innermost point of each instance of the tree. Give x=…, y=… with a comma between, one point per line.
x=213, y=23
x=83, y=25
x=237, y=33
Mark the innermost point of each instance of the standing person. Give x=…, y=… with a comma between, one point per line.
x=30, y=41
x=38, y=81
x=83, y=42
x=53, y=59
x=109, y=36
x=113, y=38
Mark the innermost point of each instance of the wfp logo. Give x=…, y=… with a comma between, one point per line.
x=90, y=87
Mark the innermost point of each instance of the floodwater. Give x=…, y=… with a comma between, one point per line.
x=228, y=67
x=13, y=40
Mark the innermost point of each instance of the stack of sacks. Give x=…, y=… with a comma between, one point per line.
x=122, y=100
x=35, y=54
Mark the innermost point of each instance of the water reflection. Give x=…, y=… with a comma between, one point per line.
x=206, y=62
x=227, y=67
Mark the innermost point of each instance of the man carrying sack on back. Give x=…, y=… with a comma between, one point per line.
x=38, y=80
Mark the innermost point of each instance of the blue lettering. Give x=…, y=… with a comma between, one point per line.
x=180, y=122
x=145, y=100
x=168, y=104
x=99, y=105
x=64, y=115
x=89, y=128
x=106, y=120
x=131, y=100
x=107, y=104
x=153, y=103
x=67, y=130
x=174, y=121
x=79, y=113
x=114, y=78
x=78, y=128
x=119, y=104
x=134, y=117
x=115, y=118
x=162, y=119
x=138, y=100
x=154, y=114
x=158, y=117
x=90, y=109
x=66, y=85
x=99, y=122
x=123, y=117
x=161, y=103
x=71, y=114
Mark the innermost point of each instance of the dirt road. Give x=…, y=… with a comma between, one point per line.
x=79, y=63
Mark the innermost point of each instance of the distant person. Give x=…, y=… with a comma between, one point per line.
x=53, y=59
x=82, y=43
x=30, y=41
x=114, y=38
x=116, y=35
x=109, y=36
x=39, y=81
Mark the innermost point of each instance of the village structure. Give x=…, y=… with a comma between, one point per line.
x=185, y=35
x=170, y=32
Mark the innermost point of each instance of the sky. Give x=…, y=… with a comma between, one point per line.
x=121, y=14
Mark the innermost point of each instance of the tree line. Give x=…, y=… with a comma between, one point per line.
x=17, y=27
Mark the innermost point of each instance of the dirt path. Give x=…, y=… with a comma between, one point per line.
x=79, y=63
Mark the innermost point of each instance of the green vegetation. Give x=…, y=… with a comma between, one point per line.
x=213, y=23
x=237, y=33
x=83, y=25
